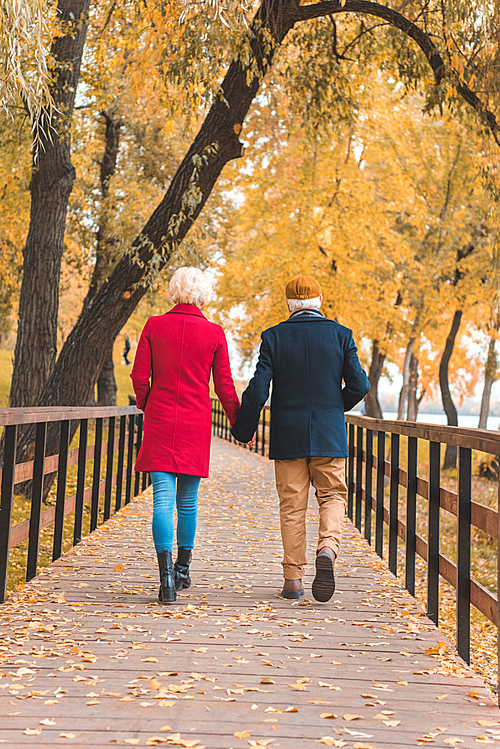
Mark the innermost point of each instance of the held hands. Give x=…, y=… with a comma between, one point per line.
x=252, y=442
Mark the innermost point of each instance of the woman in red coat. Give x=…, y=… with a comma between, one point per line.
x=176, y=355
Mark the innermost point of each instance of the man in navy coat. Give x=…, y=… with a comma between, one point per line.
x=316, y=376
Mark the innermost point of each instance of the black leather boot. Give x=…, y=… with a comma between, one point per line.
x=181, y=568
x=167, y=592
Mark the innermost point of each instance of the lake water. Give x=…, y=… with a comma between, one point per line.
x=467, y=421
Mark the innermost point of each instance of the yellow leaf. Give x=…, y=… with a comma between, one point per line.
x=47, y=722
x=442, y=697
x=150, y=660
x=165, y=728
x=291, y=709
x=487, y=723
x=67, y=735
x=349, y=716
x=391, y=723
x=93, y=702
x=33, y=731
x=118, y=568
x=330, y=716
x=131, y=741
x=241, y=734
x=453, y=741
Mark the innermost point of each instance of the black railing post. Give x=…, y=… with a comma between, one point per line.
x=80, y=481
x=359, y=477
x=350, y=472
x=379, y=500
x=433, y=532
x=393, y=505
x=109, y=468
x=368, y=485
x=463, y=552
x=7, y=496
x=140, y=428
x=263, y=450
x=121, y=460
x=411, y=516
x=96, y=476
x=62, y=475
x=130, y=458
x=36, y=500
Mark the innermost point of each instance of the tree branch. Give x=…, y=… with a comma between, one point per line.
x=399, y=21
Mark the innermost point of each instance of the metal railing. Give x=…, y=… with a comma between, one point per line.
x=383, y=503
x=118, y=450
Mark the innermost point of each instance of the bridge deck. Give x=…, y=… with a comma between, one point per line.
x=89, y=659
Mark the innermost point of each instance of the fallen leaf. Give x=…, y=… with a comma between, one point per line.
x=453, y=741
x=131, y=741
x=350, y=716
x=330, y=716
x=67, y=735
x=442, y=697
x=241, y=734
x=33, y=731
x=118, y=568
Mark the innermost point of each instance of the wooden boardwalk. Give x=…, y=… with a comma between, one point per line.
x=89, y=659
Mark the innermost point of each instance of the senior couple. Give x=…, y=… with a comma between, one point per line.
x=316, y=375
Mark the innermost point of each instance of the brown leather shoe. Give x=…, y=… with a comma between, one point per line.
x=323, y=586
x=292, y=589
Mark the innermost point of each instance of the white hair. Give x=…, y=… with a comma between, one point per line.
x=296, y=304
x=190, y=285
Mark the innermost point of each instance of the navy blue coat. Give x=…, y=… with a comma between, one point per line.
x=307, y=357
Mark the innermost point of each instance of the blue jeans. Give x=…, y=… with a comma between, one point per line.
x=165, y=497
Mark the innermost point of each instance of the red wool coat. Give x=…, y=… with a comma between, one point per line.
x=171, y=373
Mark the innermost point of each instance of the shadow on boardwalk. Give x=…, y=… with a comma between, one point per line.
x=89, y=659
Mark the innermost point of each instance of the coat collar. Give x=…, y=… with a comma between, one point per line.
x=186, y=309
x=305, y=316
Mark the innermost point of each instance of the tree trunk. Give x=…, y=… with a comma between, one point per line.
x=413, y=401
x=450, y=456
x=403, y=395
x=372, y=404
x=51, y=184
x=106, y=384
x=490, y=376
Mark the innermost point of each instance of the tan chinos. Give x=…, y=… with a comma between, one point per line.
x=293, y=479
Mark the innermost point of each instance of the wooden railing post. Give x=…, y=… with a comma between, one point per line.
x=109, y=468
x=379, y=506
x=62, y=475
x=433, y=532
x=121, y=459
x=36, y=500
x=7, y=495
x=368, y=485
x=350, y=471
x=96, y=476
x=463, y=552
x=80, y=481
x=359, y=478
x=394, y=505
x=140, y=428
x=411, y=515
x=130, y=458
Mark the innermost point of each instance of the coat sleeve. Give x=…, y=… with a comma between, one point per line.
x=255, y=396
x=223, y=380
x=141, y=371
x=356, y=384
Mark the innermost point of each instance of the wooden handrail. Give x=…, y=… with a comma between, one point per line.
x=474, y=439
x=10, y=416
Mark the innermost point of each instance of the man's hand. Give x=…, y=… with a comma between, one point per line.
x=252, y=442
